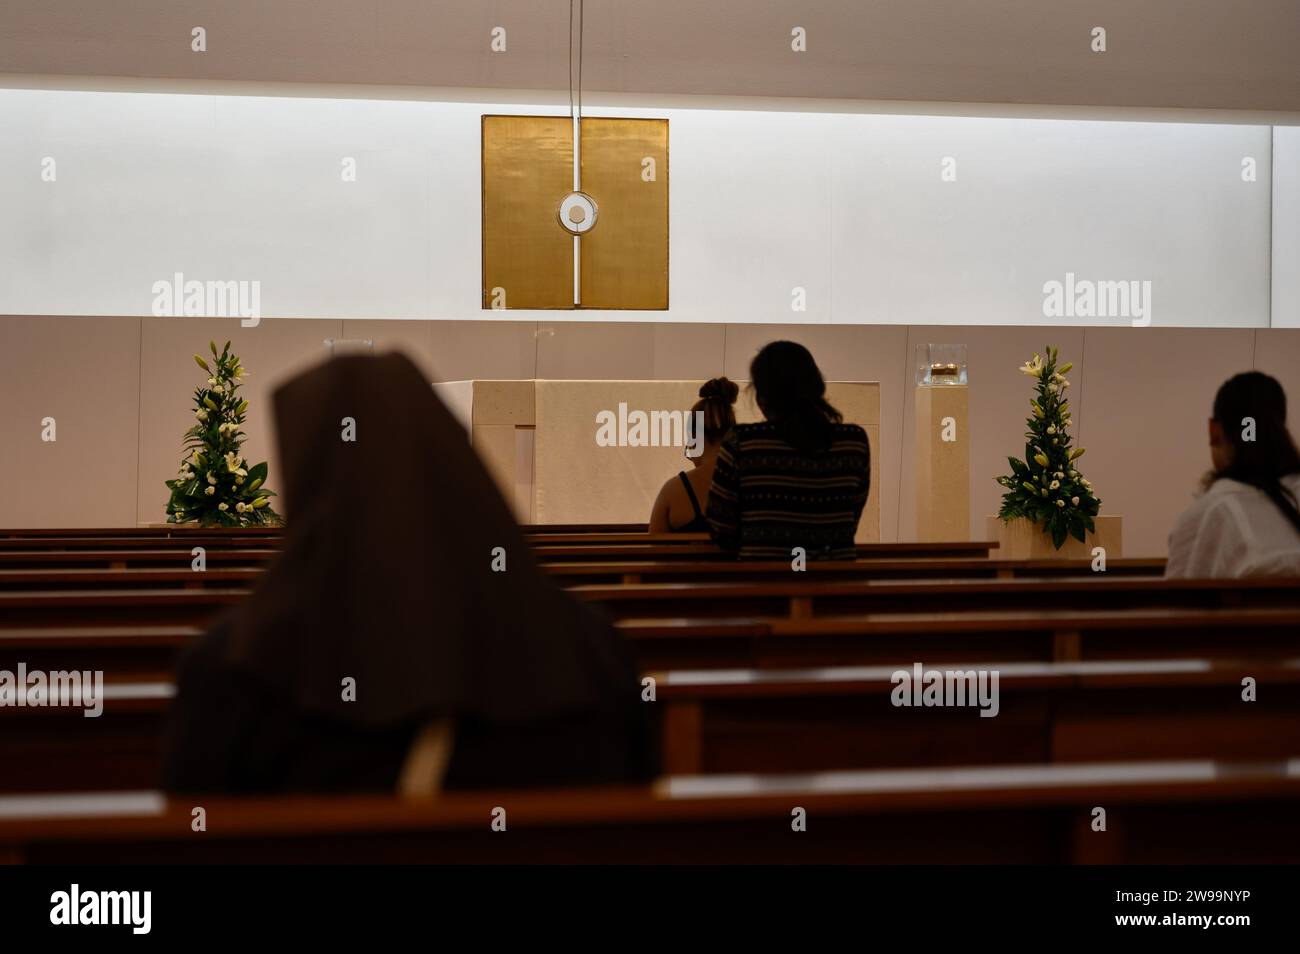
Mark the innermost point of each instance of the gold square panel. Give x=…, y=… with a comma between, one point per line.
x=528, y=255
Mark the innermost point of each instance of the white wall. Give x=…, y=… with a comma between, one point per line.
x=848, y=206
x=1286, y=227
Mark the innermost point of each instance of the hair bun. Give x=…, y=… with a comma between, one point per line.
x=720, y=388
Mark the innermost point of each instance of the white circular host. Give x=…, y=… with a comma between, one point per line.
x=578, y=213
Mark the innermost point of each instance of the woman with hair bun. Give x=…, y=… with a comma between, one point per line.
x=678, y=508
x=1246, y=523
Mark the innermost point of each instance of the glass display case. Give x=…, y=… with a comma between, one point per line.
x=939, y=365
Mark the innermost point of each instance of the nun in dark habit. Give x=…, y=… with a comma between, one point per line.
x=382, y=651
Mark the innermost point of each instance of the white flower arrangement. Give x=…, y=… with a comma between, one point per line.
x=203, y=491
x=1045, y=487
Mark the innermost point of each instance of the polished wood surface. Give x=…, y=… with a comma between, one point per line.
x=1010, y=813
x=223, y=572
x=718, y=642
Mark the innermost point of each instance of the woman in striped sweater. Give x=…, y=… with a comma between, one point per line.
x=798, y=479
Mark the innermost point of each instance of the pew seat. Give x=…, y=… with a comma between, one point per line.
x=1156, y=812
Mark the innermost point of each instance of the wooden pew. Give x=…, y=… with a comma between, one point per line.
x=154, y=606
x=223, y=574
x=128, y=543
x=802, y=599
x=1265, y=633
x=275, y=537
x=60, y=747
x=540, y=538
x=812, y=720
x=584, y=528
x=115, y=650
x=144, y=552
x=1162, y=812
x=625, y=552
x=789, y=600
x=577, y=572
x=128, y=578
x=275, y=540
x=806, y=720
x=161, y=531
x=162, y=557
x=799, y=599
x=174, y=529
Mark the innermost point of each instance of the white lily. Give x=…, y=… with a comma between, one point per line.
x=1033, y=368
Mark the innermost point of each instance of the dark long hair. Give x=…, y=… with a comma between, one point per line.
x=1272, y=454
x=792, y=394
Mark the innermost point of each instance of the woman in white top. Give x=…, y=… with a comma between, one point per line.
x=1247, y=522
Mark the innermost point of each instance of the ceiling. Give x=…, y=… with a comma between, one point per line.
x=1202, y=54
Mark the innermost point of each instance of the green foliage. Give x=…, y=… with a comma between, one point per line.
x=237, y=497
x=1046, y=486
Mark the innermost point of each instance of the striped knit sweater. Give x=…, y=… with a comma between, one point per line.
x=769, y=497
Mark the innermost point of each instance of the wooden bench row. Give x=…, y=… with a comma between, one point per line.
x=768, y=721
x=222, y=573
x=1169, y=813
x=1260, y=633
x=275, y=540
x=186, y=530
x=159, y=553
x=778, y=599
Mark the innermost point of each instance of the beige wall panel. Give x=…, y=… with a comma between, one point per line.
x=273, y=352
x=999, y=403
x=1137, y=388
x=1148, y=395
x=1277, y=352
x=491, y=349
x=84, y=373
x=848, y=353
x=629, y=351
x=411, y=338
